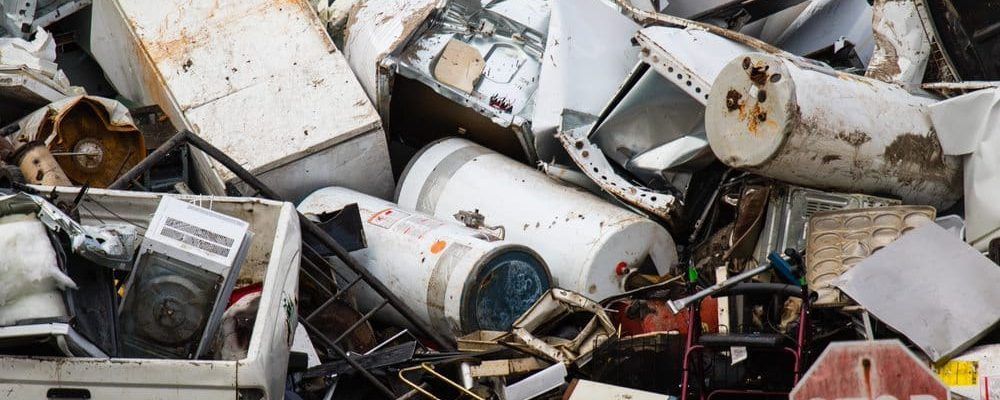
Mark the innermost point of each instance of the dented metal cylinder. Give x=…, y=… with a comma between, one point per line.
x=458, y=279
x=821, y=128
x=588, y=243
x=39, y=166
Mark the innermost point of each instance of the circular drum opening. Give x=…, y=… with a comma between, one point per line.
x=502, y=289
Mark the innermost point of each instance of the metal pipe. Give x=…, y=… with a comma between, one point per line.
x=360, y=321
x=354, y=363
x=151, y=160
x=430, y=369
x=467, y=380
x=387, y=341
x=677, y=305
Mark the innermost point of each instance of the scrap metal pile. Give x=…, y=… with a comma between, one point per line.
x=499, y=199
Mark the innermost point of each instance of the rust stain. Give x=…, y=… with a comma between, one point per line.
x=169, y=44
x=733, y=98
x=924, y=151
x=438, y=246
x=176, y=49
x=759, y=75
x=856, y=138
x=756, y=117
x=884, y=64
x=866, y=365
x=153, y=84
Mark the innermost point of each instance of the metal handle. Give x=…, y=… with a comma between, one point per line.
x=68, y=393
x=778, y=262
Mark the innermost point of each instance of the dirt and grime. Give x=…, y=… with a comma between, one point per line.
x=745, y=162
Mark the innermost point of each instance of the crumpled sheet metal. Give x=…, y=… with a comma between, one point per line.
x=376, y=29
x=574, y=135
x=969, y=126
x=25, y=17
x=86, y=124
x=575, y=52
x=645, y=17
x=825, y=22
x=552, y=306
x=689, y=58
x=31, y=65
x=474, y=65
x=680, y=56
x=902, y=46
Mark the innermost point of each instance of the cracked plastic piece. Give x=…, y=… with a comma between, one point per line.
x=112, y=246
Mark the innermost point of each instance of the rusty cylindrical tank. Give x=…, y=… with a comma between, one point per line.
x=457, y=279
x=588, y=243
x=820, y=128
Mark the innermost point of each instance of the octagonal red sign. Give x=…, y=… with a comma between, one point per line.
x=875, y=370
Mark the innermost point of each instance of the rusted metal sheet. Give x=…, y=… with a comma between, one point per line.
x=592, y=161
x=881, y=369
x=590, y=158
x=93, y=138
x=820, y=128
x=654, y=126
x=690, y=59
x=637, y=317
x=290, y=111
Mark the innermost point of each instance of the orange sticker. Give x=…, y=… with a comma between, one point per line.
x=438, y=246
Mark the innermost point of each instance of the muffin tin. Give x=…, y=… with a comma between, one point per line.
x=839, y=240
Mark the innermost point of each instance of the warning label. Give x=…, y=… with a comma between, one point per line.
x=404, y=222
x=388, y=217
